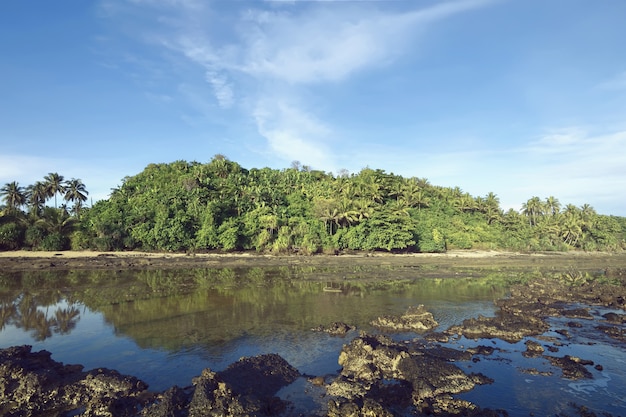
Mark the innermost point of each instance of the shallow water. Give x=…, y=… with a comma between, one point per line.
x=165, y=327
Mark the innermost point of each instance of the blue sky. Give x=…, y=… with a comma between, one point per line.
x=515, y=97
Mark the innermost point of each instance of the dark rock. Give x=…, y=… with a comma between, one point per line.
x=614, y=332
x=506, y=326
x=533, y=349
x=336, y=329
x=377, y=368
x=482, y=350
x=572, y=367
x=438, y=337
x=366, y=407
x=562, y=332
x=213, y=397
x=260, y=376
x=577, y=313
x=534, y=371
x=32, y=384
x=172, y=403
x=615, y=318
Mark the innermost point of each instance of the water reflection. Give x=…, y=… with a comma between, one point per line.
x=166, y=326
x=149, y=322
x=32, y=314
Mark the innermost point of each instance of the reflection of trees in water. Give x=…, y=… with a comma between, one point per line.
x=26, y=312
x=66, y=319
x=7, y=312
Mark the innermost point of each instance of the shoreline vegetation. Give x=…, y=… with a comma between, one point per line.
x=192, y=207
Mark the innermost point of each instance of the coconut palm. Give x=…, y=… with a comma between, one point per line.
x=56, y=221
x=54, y=185
x=36, y=196
x=533, y=209
x=13, y=195
x=76, y=192
x=552, y=205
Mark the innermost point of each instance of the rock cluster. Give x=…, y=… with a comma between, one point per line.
x=380, y=374
x=32, y=384
x=416, y=318
x=337, y=328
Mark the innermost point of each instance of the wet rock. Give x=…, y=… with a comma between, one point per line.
x=577, y=313
x=364, y=408
x=482, y=350
x=213, y=397
x=572, y=366
x=416, y=318
x=246, y=388
x=377, y=368
x=615, y=318
x=506, y=326
x=562, y=332
x=533, y=349
x=438, y=337
x=336, y=329
x=260, y=376
x=172, y=403
x=535, y=371
x=614, y=332
x=32, y=384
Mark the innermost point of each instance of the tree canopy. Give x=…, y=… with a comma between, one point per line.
x=192, y=206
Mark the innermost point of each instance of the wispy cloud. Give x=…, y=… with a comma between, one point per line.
x=223, y=89
x=293, y=134
x=249, y=54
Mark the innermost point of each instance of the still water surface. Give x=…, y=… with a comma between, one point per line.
x=166, y=326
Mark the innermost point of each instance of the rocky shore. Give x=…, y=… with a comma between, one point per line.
x=378, y=376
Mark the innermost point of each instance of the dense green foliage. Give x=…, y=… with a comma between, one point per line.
x=42, y=227
x=190, y=206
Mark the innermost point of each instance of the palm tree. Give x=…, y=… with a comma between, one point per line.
x=13, y=195
x=57, y=221
x=552, y=205
x=54, y=184
x=77, y=193
x=533, y=208
x=36, y=196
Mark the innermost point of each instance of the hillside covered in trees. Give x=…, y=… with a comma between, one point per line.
x=190, y=206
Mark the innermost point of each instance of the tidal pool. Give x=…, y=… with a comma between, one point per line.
x=166, y=326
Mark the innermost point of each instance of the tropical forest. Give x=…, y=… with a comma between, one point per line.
x=221, y=206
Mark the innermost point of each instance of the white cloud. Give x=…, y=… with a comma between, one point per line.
x=329, y=44
x=574, y=165
x=223, y=89
x=293, y=134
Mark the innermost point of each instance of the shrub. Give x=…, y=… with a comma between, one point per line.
x=11, y=236
x=54, y=242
